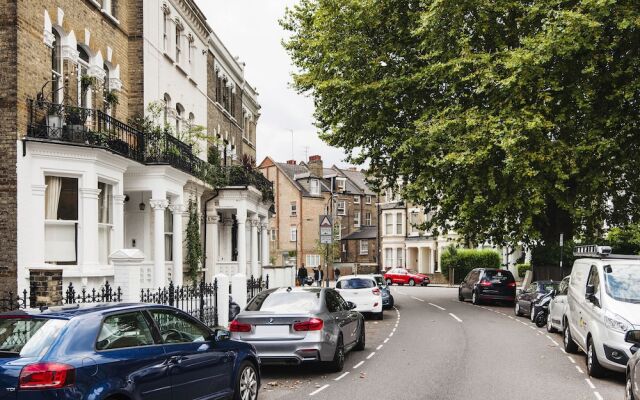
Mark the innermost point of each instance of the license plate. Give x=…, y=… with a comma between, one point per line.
x=272, y=330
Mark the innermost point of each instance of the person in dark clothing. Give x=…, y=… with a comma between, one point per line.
x=336, y=274
x=317, y=275
x=302, y=274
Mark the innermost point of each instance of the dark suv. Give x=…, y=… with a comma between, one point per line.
x=483, y=284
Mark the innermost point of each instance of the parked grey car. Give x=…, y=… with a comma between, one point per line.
x=387, y=297
x=292, y=326
x=632, y=391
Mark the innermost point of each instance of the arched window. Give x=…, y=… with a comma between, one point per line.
x=179, y=117
x=167, y=107
x=192, y=119
x=84, y=90
x=56, y=68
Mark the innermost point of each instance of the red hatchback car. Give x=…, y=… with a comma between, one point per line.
x=403, y=276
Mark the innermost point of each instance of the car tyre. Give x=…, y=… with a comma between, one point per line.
x=412, y=282
x=628, y=395
x=362, y=339
x=517, y=309
x=247, y=384
x=389, y=282
x=569, y=345
x=594, y=368
x=392, y=302
x=337, y=364
x=475, y=299
x=550, y=327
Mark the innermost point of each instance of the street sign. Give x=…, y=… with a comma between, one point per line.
x=326, y=229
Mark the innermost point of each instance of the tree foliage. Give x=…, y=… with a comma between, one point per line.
x=464, y=260
x=509, y=121
x=193, y=243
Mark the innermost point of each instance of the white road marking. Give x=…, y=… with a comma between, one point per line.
x=341, y=376
x=394, y=329
x=552, y=341
x=571, y=359
x=373, y=353
x=510, y=316
x=563, y=350
x=415, y=298
x=437, y=306
x=379, y=347
x=358, y=364
x=598, y=396
x=318, y=390
x=386, y=340
x=591, y=385
x=455, y=317
x=579, y=369
x=391, y=334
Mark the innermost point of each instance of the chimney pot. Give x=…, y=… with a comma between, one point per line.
x=315, y=158
x=291, y=162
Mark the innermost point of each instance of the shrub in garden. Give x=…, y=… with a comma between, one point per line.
x=464, y=260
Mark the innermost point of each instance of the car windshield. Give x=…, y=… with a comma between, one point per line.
x=355, y=283
x=499, y=276
x=285, y=302
x=28, y=337
x=623, y=282
x=380, y=280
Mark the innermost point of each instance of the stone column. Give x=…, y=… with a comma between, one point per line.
x=265, y=242
x=432, y=267
x=88, y=240
x=255, y=267
x=227, y=245
x=212, y=244
x=420, y=266
x=159, y=275
x=178, y=211
x=242, y=239
x=118, y=222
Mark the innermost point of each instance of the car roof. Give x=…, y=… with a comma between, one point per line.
x=75, y=310
x=359, y=276
x=294, y=289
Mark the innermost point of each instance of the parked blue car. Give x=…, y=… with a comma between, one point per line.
x=121, y=352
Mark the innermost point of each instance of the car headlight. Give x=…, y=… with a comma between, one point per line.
x=616, y=322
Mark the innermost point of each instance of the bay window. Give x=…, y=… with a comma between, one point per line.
x=105, y=221
x=168, y=235
x=61, y=220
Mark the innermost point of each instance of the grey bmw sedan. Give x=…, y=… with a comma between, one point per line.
x=300, y=325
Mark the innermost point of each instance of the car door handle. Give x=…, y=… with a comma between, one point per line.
x=174, y=360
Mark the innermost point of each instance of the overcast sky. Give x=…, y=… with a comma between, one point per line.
x=250, y=30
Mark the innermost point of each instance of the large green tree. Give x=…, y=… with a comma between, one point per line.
x=508, y=120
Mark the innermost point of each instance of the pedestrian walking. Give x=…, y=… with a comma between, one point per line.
x=317, y=275
x=336, y=274
x=302, y=274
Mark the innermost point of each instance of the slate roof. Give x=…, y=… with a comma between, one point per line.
x=366, y=232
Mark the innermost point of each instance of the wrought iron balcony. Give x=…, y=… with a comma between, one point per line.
x=66, y=124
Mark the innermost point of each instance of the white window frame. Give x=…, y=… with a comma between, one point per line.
x=293, y=234
x=368, y=199
x=364, y=247
x=356, y=199
x=367, y=219
x=356, y=219
x=178, y=39
x=400, y=257
x=273, y=235
x=341, y=184
x=337, y=227
x=313, y=260
x=388, y=224
x=388, y=257
x=341, y=204
x=399, y=224
x=314, y=187
x=168, y=233
x=293, y=209
x=105, y=225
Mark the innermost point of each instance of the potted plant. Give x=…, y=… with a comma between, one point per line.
x=86, y=81
x=111, y=99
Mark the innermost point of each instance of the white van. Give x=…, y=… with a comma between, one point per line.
x=604, y=303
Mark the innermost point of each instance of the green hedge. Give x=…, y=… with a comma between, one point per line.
x=464, y=260
x=522, y=269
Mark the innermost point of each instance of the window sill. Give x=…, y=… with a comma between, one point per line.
x=111, y=17
x=168, y=57
x=184, y=72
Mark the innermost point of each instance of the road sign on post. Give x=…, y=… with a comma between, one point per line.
x=326, y=229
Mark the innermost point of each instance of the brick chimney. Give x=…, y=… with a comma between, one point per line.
x=315, y=166
x=291, y=162
x=353, y=169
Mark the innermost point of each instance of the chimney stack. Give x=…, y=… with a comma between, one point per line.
x=315, y=166
x=291, y=162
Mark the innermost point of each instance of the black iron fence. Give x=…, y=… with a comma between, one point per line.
x=255, y=286
x=28, y=299
x=200, y=300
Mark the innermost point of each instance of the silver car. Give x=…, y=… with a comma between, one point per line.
x=292, y=326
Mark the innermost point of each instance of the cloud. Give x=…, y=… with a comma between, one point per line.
x=250, y=30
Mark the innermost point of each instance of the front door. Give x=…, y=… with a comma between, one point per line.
x=199, y=368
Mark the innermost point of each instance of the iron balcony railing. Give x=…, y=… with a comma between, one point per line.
x=69, y=124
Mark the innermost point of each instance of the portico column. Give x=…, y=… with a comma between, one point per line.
x=158, y=206
x=420, y=267
x=265, y=242
x=227, y=245
x=118, y=222
x=212, y=244
x=178, y=261
x=432, y=267
x=88, y=233
x=242, y=240
x=255, y=267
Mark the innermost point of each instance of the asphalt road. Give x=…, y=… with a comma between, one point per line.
x=434, y=347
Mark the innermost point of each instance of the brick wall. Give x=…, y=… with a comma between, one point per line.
x=46, y=287
x=8, y=122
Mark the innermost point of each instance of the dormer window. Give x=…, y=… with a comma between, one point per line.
x=314, y=187
x=341, y=184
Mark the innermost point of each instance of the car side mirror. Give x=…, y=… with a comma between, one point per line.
x=633, y=337
x=589, y=294
x=350, y=305
x=221, y=335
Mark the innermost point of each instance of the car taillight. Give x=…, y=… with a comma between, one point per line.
x=376, y=291
x=485, y=283
x=511, y=284
x=47, y=376
x=239, y=327
x=313, y=324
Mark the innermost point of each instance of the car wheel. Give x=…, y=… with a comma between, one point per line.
x=569, y=345
x=460, y=296
x=550, y=327
x=474, y=298
x=391, y=301
x=246, y=383
x=541, y=319
x=412, y=282
x=593, y=365
x=517, y=309
x=628, y=395
x=337, y=364
x=361, y=339
x=389, y=282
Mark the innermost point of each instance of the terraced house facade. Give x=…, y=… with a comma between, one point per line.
x=119, y=116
